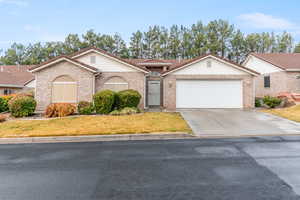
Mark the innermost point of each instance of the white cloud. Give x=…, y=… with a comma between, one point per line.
x=261, y=20
x=15, y=2
x=32, y=28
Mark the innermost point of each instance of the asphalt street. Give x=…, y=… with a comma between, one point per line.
x=209, y=169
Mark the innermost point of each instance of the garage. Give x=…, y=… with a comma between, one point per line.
x=209, y=94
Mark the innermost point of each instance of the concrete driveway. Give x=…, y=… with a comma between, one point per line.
x=236, y=122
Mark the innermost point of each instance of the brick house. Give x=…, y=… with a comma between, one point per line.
x=204, y=82
x=279, y=72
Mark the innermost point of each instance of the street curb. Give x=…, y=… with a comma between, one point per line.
x=97, y=138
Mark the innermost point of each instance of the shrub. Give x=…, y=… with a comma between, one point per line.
x=258, y=102
x=104, y=101
x=127, y=98
x=4, y=102
x=22, y=106
x=129, y=110
x=115, y=112
x=2, y=118
x=60, y=110
x=272, y=102
x=85, y=108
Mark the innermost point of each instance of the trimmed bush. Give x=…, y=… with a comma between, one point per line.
x=4, y=102
x=258, y=102
x=60, y=110
x=125, y=111
x=104, y=101
x=272, y=102
x=2, y=118
x=3, y=107
x=115, y=112
x=22, y=106
x=85, y=108
x=129, y=111
x=127, y=98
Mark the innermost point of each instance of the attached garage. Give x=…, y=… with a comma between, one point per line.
x=209, y=94
x=209, y=82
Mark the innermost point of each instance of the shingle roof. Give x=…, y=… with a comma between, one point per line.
x=281, y=60
x=183, y=64
x=15, y=75
x=162, y=62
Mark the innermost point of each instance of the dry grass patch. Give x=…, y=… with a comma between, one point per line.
x=291, y=113
x=96, y=125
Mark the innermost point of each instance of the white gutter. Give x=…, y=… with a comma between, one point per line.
x=11, y=85
x=292, y=70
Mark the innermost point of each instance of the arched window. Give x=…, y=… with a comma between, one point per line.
x=64, y=90
x=116, y=83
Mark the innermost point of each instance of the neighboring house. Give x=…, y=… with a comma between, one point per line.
x=204, y=82
x=15, y=78
x=280, y=72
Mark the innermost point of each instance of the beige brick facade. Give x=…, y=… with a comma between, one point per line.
x=45, y=77
x=87, y=83
x=279, y=82
x=170, y=87
x=135, y=80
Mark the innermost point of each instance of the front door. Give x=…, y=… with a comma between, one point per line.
x=154, y=93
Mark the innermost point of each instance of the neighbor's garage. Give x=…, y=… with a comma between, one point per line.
x=209, y=94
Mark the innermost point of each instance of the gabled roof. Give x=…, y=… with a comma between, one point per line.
x=197, y=59
x=15, y=75
x=284, y=61
x=60, y=59
x=97, y=50
x=156, y=62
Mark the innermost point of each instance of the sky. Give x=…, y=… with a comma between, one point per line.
x=29, y=21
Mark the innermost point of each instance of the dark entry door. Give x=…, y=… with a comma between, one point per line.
x=154, y=93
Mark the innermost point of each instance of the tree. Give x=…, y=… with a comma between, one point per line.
x=136, y=45
x=237, y=47
x=297, y=48
x=14, y=55
x=174, y=42
x=284, y=42
x=217, y=37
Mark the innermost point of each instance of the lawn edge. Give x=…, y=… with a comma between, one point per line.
x=97, y=138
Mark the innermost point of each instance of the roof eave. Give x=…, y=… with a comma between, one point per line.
x=11, y=86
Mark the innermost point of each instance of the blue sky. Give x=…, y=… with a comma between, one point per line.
x=51, y=20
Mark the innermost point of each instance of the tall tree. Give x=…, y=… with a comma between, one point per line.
x=237, y=47
x=136, y=45
x=297, y=48
x=174, y=42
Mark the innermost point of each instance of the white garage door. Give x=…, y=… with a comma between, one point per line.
x=209, y=94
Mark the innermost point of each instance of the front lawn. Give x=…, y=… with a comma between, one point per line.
x=95, y=125
x=291, y=113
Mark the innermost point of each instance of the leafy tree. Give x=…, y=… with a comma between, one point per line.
x=297, y=48
x=136, y=45
x=176, y=42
